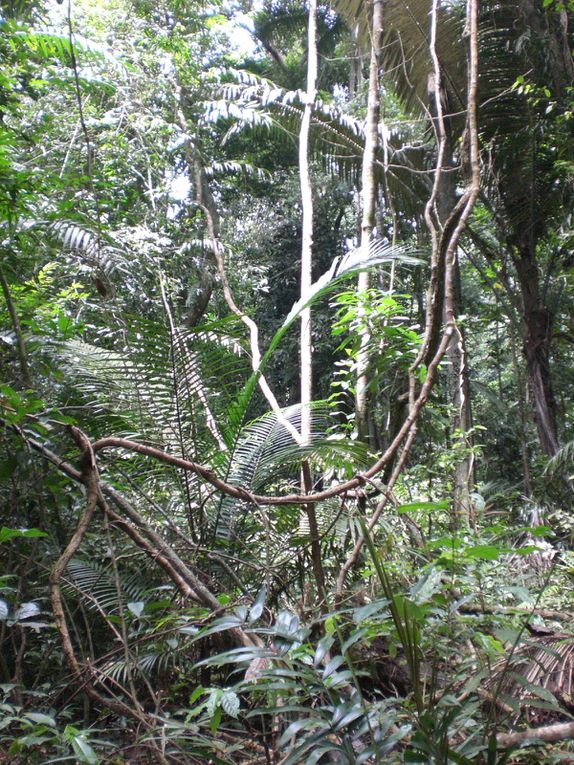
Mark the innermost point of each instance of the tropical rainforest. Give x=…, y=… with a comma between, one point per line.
x=286, y=382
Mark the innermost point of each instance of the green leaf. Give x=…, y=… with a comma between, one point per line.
x=230, y=703
x=84, y=751
x=214, y=700
x=258, y=605
x=323, y=647
x=308, y=723
x=427, y=586
x=482, y=552
x=199, y=691
x=215, y=720
x=41, y=719
x=536, y=690
x=427, y=507
x=365, y=612
x=334, y=664
x=7, y=534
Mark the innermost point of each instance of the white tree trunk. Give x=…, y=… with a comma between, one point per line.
x=369, y=197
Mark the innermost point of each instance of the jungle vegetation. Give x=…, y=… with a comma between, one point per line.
x=286, y=382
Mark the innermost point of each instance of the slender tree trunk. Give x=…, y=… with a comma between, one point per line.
x=369, y=192
x=20, y=343
x=306, y=341
x=458, y=384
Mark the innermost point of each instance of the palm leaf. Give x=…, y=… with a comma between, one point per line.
x=343, y=267
x=540, y=676
x=96, y=582
x=562, y=461
x=256, y=104
x=95, y=248
x=145, y=384
x=267, y=455
x=405, y=48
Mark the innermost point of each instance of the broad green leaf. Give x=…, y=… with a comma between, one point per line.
x=258, y=605
x=536, y=690
x=214, y=700
x=427, y=507
x=6, y=534
x=199, y=691
x=230, y=703
x=323, y=647
x=84, y=751
x=482, y=552
x=334, y=664
x=365, y=612
x=40, y=718
x=427, y=586
x=307, y=723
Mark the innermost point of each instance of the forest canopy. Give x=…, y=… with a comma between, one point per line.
x=286, y=382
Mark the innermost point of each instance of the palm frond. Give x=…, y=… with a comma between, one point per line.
x=96, y=582
x=343, y=267
x=258, y=105
x=540, y=676
x=97, y=250
x=142, y=667
x=145, y=384
x=348, y=265
x=562, y=461
x=46, y=44
x=229, y=167
x=405, y=52
x=267, y=455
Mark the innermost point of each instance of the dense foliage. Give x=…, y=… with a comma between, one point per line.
x=196, y=564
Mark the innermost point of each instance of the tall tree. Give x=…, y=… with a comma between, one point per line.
x=369, y=201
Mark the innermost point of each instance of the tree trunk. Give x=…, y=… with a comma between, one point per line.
x=537, y=323
x=369, y=193
x=458, y=384
x=306, y=340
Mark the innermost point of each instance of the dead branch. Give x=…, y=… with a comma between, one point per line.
x=530, y=736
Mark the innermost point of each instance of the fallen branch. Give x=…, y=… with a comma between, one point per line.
x=544, y=613
x=531, y=736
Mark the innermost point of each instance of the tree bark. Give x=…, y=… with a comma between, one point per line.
x=306, y=339
x=537, y=324
x=369, y=194
x=457, y=378
x=458, y=385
